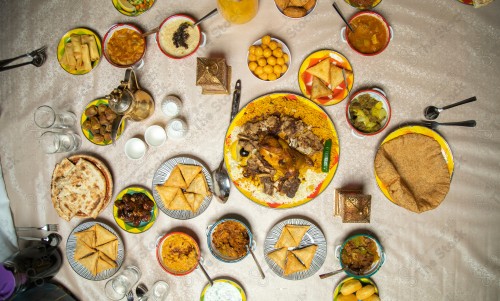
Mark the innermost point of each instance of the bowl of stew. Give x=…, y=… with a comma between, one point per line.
x=360, y=255
x=371, y=34
x=227, y=240
x=123, y=45
x=368, y=112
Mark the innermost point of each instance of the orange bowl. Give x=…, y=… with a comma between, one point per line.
x=160, y=252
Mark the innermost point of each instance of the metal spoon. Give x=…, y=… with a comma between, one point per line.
x=434, y=125
x=432, y=112
x=256, y=262
x=222, y=183
x=130, y=296
x=323, y=276
x=210, y=14
x=141, y=290
x=152, y=31
x=342, y=16
x=205, y=273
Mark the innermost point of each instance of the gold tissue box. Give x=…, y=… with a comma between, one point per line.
x=213, y=75
x=352, y=206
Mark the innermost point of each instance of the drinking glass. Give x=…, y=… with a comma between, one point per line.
x=46, y=117
x=238, y=11
x=117, y=287
x=59, y=142
x=158, y=292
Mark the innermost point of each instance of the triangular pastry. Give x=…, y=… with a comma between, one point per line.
x=293, y=265
x=90, y=263
x=199, y=185
x=87, y=237
x=297, y=232
x=336, y=76
x=179, y=202
x=189, y=172
x=167, y=194
x=319, y=89
x=321, y=70
x=82, y=250
x=102, y=235
x=285, y=240
x=306, y=255
x=110, y=249
x=279, y=256
x=102, y=265
x=175, y=179
x=198, y=200
x=107, y=259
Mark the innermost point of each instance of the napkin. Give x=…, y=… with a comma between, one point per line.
x=8, y=238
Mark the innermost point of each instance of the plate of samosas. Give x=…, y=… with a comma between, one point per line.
x=95, y=251
x=295, y=249
x=182, y=188
x=321, y=77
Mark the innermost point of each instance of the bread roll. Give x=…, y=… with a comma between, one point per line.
x=350, y=297
x=365, y=292
x=350, y=287
x=295, y=12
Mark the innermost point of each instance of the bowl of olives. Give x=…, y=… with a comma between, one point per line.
x=97, y=122
x=368, y=112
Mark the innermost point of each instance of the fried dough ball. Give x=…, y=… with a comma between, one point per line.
x=267, y=60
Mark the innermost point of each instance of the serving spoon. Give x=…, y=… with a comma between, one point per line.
x=256, y=262
x=326, y=275
x=210, y=14
x=337, y=9
x=222, y=183
x=432, y=112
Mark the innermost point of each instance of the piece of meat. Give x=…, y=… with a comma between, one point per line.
x=290, y=186
x=268, y=185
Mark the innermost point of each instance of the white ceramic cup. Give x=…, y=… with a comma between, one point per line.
x=135, y=148
x=155, y=135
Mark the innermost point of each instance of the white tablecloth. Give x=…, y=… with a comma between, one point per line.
x=442, y=52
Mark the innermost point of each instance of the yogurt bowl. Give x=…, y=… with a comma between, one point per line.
x=177, y=38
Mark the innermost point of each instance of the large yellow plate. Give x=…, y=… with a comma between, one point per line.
x=305, y=79
x=301, y=106
x=416, y=129
x=67, y=38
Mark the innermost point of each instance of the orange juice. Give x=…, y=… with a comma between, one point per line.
x=238, y=11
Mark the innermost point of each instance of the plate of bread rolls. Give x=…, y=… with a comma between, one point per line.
x=79, y=51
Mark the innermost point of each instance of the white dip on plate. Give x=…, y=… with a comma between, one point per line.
x=166, y=37
x=222, y=291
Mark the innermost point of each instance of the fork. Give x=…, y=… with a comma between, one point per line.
x=434, y=125
x=48, y=227
x=31, y=54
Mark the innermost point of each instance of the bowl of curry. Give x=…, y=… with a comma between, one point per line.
x=124, y=45
x=227, y=240
x=371, y=34
x=360, y=255
x=178, y=253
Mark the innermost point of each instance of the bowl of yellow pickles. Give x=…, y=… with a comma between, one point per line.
x=368, y=112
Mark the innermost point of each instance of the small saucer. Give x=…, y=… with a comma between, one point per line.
x=135, y=148
x=155, y=135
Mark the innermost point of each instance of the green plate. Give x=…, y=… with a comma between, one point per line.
x=364, y=282
x=143, y=226
x=126, y=7
x=87, y=133
x=67, y=38
x=237, y=290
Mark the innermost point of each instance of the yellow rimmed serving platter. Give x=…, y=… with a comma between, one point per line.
x=126, y=7
x=305, y=79
x=292, y=105
x=143, y=226
x=422, y=130
x=67, y=38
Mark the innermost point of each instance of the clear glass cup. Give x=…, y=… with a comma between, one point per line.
x=59, y=142
x=46, y=117
x=176, y=128
x=158, y=292
x=238, y=11
x=118, y=286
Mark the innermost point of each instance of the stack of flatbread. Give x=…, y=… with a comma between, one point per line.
x=296, y=260
x=414, y=171
x=326, y=74
x=78, y=189
x=185, y=188
x=96, y=249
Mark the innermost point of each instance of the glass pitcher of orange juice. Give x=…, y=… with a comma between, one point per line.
x=238, y=11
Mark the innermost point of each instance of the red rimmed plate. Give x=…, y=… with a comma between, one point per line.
x=305, y=79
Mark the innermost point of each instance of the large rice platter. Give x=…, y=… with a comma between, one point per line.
x=274, y=150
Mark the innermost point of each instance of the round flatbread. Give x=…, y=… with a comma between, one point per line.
x=414, y=171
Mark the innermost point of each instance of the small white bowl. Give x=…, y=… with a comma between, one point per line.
x=155, y=135
x=171, y=106
x=135, y=148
